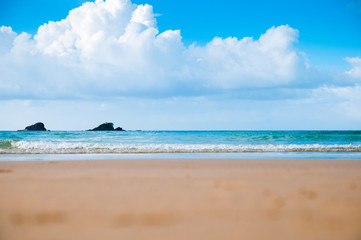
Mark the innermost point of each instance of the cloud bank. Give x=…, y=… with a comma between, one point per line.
x=113, y=48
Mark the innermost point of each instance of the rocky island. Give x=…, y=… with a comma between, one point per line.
x=35, y=127
x=106, y=127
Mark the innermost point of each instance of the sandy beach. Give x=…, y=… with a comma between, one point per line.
x=188, y=199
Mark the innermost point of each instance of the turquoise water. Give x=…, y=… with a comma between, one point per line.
x=299, y=144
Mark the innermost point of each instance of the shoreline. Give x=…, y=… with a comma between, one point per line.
x=182, y=199
x=122, y=156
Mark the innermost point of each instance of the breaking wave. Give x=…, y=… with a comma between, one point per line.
x=42, y=147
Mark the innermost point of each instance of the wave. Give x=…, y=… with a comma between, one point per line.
x=41, y=147
x=7, y=144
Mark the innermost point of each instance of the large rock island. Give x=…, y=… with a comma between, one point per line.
x=35, y=127
x=106, y=127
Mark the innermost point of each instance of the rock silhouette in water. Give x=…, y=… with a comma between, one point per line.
x=36, y=127
x=106, y=127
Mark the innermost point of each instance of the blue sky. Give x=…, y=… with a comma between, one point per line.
x=262, y=64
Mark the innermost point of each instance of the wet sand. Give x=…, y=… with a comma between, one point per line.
x=188, y=199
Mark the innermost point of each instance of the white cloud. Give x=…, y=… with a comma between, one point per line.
x=7, y=37
x=355, y=62
x=113, y=48
x=231, y=63
x=343, y=101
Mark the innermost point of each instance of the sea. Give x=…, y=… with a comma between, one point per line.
x=73, y=145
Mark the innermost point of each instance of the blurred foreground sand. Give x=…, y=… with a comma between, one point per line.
x=188, y=199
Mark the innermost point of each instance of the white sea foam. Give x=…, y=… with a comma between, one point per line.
x=42, y=147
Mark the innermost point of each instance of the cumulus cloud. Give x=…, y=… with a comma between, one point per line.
x=231, y=63
x=7, y=37
x=114, y=48
x=355, y=62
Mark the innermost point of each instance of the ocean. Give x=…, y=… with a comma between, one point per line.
x=62, y=145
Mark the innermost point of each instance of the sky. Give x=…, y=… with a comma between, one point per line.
x=145, y=64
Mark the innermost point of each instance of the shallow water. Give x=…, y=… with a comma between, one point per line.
x=244, y=144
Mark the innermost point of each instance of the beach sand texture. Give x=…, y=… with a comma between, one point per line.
x=188, y=199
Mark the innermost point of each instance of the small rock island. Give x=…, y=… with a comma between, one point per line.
x=35, y=127
x=106, y=127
